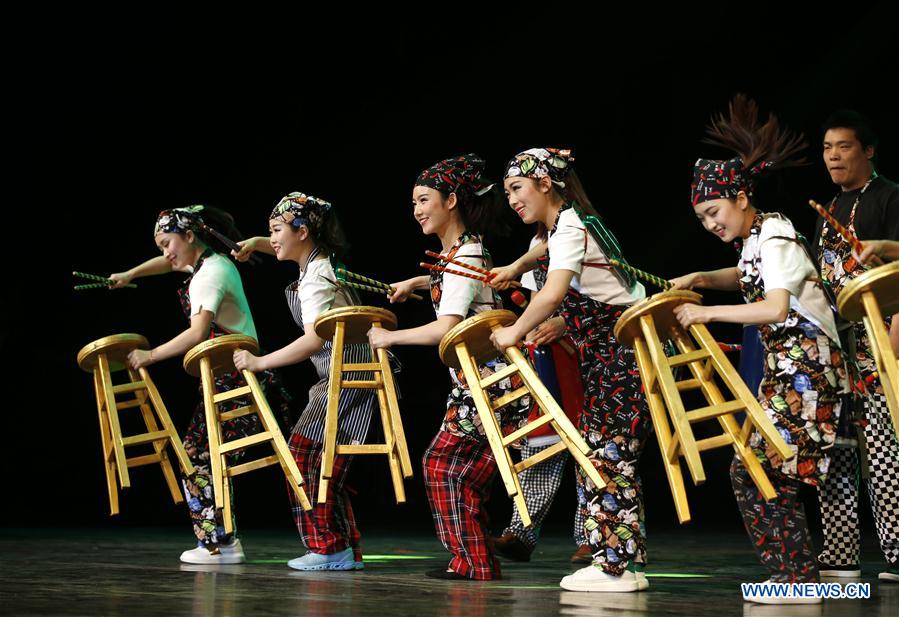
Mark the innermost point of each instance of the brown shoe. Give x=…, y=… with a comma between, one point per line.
x=510, y=547
x=583, y=554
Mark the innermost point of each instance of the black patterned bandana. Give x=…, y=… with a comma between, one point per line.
x=723, y=179
x=461, y=173
x=300, y=206
x=179, y=220
x=538, y=163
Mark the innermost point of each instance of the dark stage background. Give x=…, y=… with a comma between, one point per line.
x=143, y=122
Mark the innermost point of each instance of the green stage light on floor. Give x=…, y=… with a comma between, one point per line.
x=396, y=557
x=676, y=575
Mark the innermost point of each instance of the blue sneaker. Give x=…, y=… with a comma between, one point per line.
x=335, y=561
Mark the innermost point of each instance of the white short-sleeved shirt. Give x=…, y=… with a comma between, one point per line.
x=316, y=292
x=216, y=287
x=571, y=246
x=783, y=264
x=460, y=293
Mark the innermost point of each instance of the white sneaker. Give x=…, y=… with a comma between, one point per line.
x=642, y=581
x=592, y=578
x=779, y=600
x=335, y=561
x=228, y=554
x=891, y=575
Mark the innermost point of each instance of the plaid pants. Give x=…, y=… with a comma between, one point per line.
x=777, y=528
x=330, y=526
x=539, y=485
x=458, y=474
x=838, y=497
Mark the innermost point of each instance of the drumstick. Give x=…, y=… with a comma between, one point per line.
x=646, y=276
x=231, y=244
x=847, y=235
x=373, y=283
x=462, y=264
x=106, y=282
x=729, y=347
x=477, y=277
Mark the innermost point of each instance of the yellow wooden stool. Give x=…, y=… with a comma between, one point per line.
x=109, y=355
x=347, y=326
x=644, y=326
x=215, y=357
x=866, y=299
x=465, y=347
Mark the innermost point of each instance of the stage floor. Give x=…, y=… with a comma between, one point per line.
x=134, y=572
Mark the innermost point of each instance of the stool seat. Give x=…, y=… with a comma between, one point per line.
x=867, y=298
x=357, y=322
x=116, y=348
x=644, y=327
x=349, y=326
x=103, y=358
x=475, y=333
x=466, y=346
x=220, y=352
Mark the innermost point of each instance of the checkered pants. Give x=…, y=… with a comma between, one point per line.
x=458, y=474
x=539, y=485
x=838, y=496
x=330, y=526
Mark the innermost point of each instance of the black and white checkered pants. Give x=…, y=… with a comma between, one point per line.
x=539, y=485
x=838, y=496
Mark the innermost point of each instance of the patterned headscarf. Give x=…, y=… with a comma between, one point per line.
x=302, y=207
x=452, y=175
x=179, y=220
x=724, y=179
x=537, y=163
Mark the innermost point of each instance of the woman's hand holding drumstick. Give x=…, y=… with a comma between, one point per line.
x=252, y=245
x=504, y=277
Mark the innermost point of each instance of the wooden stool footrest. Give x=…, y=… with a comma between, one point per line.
x=129, y=404
x=361, y=385
x=246, y=410
x=148, y=459
x=245, y=442
x=364, y=366
x=236, y=470
x=235, y=393
x=145, y=438
x=367, y=448
x=129, y=387
x=510, y=397
x=527, y=429
x=499, y=376
x=687, y=358
x=713, y=411
x=541, y=456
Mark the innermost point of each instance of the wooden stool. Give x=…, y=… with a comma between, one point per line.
x=644, y=326
x=465, y=347
x=347, y=326
x=206, y=361
x=104, y=357
x=866, y=299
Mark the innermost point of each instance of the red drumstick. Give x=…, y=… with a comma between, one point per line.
x=476, y=277
x=462, y=264
x=847, y=235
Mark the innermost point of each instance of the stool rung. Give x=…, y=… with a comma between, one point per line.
x=499, y=376
x=245, y=442
x=252, y=465
x=527, y=429
x=246, y=410
x=710, y=443
x=363, y=366
x=368, y=448
x=140, y=461
x=361, y=385
x=688, y=384
x=713, y=411
x=145, y=438
x=128, y=404
x=510, y=397
x=540, y=456
x=687, y=358
x=129, y=387
x=227, y=396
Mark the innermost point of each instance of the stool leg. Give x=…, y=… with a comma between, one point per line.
x=663, y=430
x=393, y=408
x=491, y=430
x=335, y=380
x=682, y=433
x=213, y=433
x=738, y=388
x=112, y=413
x=156, y=400
x=279, y=445
x=884, y=358
x=158, y=446
x=393, y=460
x=106, y=442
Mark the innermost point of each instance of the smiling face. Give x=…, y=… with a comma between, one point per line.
x=287, y=241
x=179, y=249
x=846, y=160
x=728, y=219
x=528, y=197
x=431, y=209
